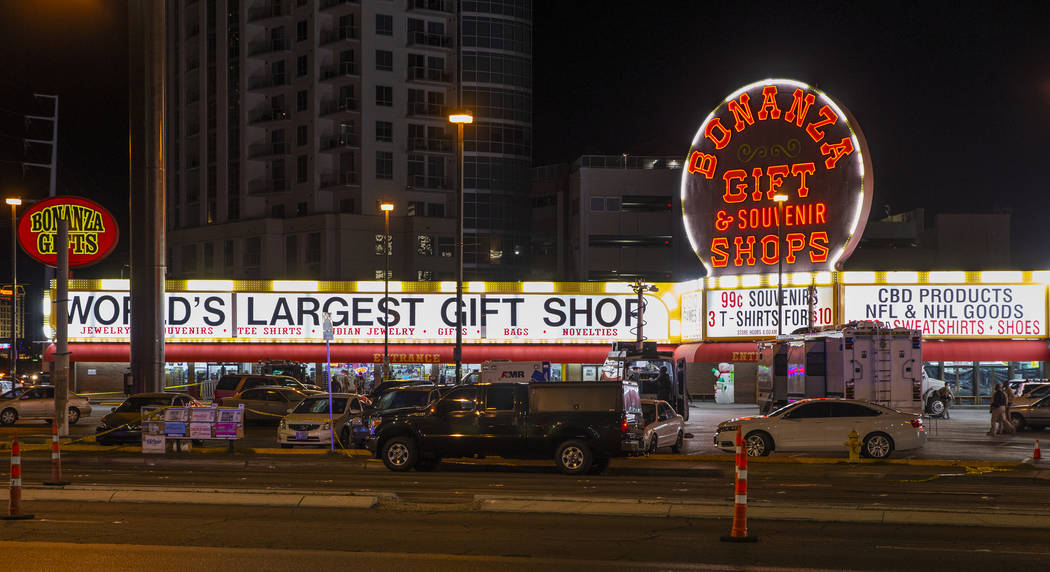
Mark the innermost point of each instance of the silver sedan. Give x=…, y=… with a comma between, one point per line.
x=38, y=402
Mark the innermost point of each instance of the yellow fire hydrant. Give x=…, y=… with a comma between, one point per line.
x=853, y=442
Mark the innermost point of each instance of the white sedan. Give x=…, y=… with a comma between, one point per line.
x=825, y=425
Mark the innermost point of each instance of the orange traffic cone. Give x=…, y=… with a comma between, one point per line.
x=1036, y=454
x=739, y=530
x=14, y=507
x=56, y=459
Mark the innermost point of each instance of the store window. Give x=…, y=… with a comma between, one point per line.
x=960, y=377
x=1027, y=370
x=991, y=373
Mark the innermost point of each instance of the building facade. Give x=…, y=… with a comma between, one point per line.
x=611, y=217
x=290, y=120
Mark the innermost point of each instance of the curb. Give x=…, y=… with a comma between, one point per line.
x=723, y=510
x=201, y=497
x=773, y=460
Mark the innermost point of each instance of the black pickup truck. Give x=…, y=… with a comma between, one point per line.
x=580, y=425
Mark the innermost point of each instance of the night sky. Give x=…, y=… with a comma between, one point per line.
x=954, y=99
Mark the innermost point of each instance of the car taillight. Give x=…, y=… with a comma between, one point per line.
x=623, y=425
x=916, y=423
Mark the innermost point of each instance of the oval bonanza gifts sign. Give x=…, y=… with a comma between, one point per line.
x=776, y=137
x=93, y=231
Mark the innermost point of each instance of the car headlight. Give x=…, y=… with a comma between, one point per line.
x=326, y=426
x=284, y=424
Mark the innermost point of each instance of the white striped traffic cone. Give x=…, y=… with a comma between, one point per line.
x=56, y=459
x=14, y=507
x=739, y=530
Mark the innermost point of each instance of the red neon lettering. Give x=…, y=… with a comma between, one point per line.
x=702, y=163
x=822, y=210
x=818, y=244
x=722, y=221
x=756, y=174
x=722, y=140
x=799, y=107
x=776, y=178
x=737, y=193
x=837, y=151
x=749, y=250
x=769, y=102
x=767, y=241
x=802, y=169
x=741, y=112
x=796, y=241
x=719, y=252
x=814, y=128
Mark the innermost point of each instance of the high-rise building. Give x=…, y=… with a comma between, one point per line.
x=289, y=121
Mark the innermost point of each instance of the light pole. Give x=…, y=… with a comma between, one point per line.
x=386, y=207
x=780, y=199
x=459, y=119
x=14, y=202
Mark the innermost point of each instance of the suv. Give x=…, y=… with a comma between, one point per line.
x=230, y=385
x=580, y=425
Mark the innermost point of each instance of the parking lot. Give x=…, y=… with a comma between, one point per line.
x=962, y=437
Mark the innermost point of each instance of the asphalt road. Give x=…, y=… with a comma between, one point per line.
x=187, y=537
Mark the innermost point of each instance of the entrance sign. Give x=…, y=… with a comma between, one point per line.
x=752, y=312
x=93, y=231
x=956, y=311
x=776, y=137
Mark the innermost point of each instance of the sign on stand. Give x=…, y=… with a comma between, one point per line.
x=182, y=425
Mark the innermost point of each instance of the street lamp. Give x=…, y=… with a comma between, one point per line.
x=14, y=202
x=780, y=199
x=386, y=207
x=459, y=119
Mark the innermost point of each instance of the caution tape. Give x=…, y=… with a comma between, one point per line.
x=94, y=436
x=167, y=387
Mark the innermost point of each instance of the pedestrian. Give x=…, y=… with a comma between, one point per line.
x=945, y=395
x=1010, y=395
x=998, y=413
x=663, y=385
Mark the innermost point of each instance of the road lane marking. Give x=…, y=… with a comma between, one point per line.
x=957, y=550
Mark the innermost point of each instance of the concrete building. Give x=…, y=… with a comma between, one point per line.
x=613, y=218
x=289, y=120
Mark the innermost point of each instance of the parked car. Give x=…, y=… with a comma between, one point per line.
x=38, y=402
x=232, y=384
x=309, y=422
x=386, y=386
x=6, y=385
x=1031, y=393
x=580, y=425
x=269, y=402
x=1034, y=416
x=402, y=396
x=663, y=426
x=824, y=425
x=126, y=418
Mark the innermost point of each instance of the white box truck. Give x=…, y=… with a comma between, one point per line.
x=498, y=371
x=860, y=360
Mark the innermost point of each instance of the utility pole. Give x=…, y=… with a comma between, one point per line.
x=146, y=84
x=53, y=142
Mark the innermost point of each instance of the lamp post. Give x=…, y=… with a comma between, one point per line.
x=459, y=119
x=386, y=207
x=780, y=199
x=14, y=202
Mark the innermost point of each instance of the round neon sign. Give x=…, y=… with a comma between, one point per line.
x=776, y=137
x=93, y=231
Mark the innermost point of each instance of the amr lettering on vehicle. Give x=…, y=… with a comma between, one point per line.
x=93, y=231
x=771, y=137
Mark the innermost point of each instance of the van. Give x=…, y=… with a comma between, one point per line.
x=232, y=384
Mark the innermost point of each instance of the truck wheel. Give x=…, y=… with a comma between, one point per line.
x=877, y=446
x=1018, y=421
x=935, y=407
x=574, y=457
x=400, y=454
x=677, y=447
x=599, y=465
x=74, y=416
x=758, y=444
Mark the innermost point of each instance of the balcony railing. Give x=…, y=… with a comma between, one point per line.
x=267, y=81
x=418, y=73
x=339, y=34
x=267, y=10
x=432, y=145
x=265, y=47
x=259, y=150
x=345, y=104
x=268, y=114
x=339, y=179
x=432, y=183
x=267, y=186
x=343, y=141
x=433, y=40
x=416, y=108
x=346, y=69
x=446, y=6
x=329, y=4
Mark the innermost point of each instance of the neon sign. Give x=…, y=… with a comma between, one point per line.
x=776, y=137
x=93, y=231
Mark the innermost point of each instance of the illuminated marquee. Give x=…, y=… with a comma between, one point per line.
x=93, y=231
x=776, y=137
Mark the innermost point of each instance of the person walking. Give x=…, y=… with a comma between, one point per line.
x=1010, y=395
x=998, y=412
